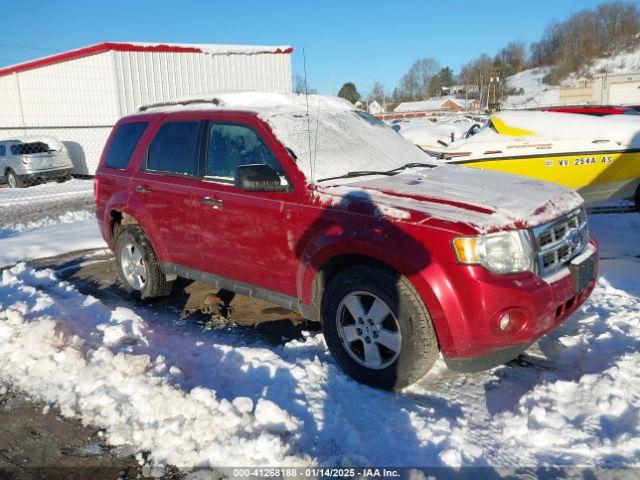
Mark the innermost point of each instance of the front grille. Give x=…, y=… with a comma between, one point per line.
x=559, y=241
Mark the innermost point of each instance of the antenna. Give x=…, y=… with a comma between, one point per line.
x=306, y=97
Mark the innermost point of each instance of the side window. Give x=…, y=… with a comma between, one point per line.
x=233, y=145
x=174, y=148
x=3, y=150
x=124, y=143
x=15, y=149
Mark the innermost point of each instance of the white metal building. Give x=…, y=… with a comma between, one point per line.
x=617, y=89
x=77, y=96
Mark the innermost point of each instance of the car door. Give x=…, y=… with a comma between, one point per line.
x=245, y=236
x=164, y=189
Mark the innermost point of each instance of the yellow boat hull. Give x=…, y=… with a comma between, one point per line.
x=597, y=176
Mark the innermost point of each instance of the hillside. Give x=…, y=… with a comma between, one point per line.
x=537, y=92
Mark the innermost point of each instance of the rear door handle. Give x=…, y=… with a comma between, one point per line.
x=143, y=189
x=214, y=202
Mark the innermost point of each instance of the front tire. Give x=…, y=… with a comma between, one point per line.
x=377, y=327
x=13, y=180
x=138, y=268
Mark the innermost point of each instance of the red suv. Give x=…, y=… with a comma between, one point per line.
x=312, y=205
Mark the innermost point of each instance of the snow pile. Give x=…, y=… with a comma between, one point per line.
x=48, y=237
x=94, y=365
x=46, y=192
x=586, y=410
x=196, y=398
x=62, y=219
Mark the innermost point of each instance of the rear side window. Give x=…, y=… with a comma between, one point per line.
x=174, y=148
x=3, y=150
x=124, y=143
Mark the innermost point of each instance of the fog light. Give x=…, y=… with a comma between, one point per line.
x=509, y=321
x=504, y=322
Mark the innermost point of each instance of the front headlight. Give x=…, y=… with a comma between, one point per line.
x=504, y=252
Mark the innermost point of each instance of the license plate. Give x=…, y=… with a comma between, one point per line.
x=584, y=272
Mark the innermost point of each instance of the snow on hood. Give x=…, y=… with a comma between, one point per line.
x=484, y=200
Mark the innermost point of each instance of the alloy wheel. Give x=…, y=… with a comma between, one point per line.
x=133, y=266
x=369, y=330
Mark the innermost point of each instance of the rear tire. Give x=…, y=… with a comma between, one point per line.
x=13, y=180
x=405, y=327
x=138, y=268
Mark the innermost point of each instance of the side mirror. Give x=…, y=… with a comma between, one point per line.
x=259, y=178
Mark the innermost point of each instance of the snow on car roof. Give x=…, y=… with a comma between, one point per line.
x=253, y=101
x=332, y=140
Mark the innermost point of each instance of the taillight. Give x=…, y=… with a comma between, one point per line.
x=96, y=188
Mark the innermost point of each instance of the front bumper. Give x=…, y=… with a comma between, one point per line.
x=470, y=302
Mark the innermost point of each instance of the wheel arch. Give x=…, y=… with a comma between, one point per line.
x=119, y=216
x=331, y=265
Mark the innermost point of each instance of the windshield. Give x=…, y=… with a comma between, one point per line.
x=343, y=141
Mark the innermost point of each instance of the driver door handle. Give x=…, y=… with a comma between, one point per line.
x=214, y=202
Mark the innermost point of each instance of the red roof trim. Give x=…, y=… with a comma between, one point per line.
x=105, y=47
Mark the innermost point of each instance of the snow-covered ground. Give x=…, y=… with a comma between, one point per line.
x=45, y=193
x=32, y=225
x=50, y=237
x=537, y=93
x=188, y=396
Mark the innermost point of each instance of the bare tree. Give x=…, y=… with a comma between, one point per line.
x=414, y=84
x=378, y=93
x=299, y=86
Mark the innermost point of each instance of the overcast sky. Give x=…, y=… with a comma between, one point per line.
x=359, y=41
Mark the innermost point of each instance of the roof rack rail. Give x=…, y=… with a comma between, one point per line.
x=144, y=108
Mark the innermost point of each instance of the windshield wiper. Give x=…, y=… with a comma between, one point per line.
x=360, y=173
x=413, y=165
x=364, y=173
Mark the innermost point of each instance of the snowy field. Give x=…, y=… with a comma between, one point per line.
x=189, y=397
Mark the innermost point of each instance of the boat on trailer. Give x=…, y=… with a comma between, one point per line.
x=597, y=156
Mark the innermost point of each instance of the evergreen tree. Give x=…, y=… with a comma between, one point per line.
x=350, y=92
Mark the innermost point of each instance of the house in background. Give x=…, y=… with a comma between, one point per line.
x=77, y=96
x=374, y=108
